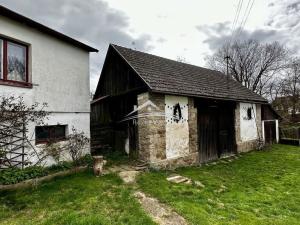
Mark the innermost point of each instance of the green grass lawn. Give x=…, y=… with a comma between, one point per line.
x=76, y=199
x=262, y=187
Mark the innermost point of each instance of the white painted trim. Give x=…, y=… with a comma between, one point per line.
x=263, y=130
x=277, y=131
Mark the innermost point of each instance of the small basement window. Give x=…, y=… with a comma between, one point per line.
x=13, y=63
x=45, y=134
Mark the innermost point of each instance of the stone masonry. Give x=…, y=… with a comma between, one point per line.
x=151, y=129
x=152, y=133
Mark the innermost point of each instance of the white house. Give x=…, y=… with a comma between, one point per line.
x=52, y=68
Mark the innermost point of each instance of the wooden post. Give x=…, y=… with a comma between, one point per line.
x=23, y=142
x=277, y=131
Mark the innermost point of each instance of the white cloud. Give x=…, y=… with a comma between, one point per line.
x=165, y=28
x=93, y=22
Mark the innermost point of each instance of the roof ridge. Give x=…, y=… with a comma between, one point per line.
x=167, y=75
x=172, y=60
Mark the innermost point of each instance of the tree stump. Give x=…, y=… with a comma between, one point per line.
x=98, y=165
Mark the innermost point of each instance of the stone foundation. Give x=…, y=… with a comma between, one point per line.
x=188, y=160
x=247, y=146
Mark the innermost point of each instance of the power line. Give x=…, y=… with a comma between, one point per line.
x=236, y=17
x=233, y=27
x=245, y=18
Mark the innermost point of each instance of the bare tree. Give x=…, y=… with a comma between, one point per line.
x=291, y=85
x=274, y=88
x=181, y=59
x=251, y=63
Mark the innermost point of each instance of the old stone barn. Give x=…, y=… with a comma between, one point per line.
x=171, y=113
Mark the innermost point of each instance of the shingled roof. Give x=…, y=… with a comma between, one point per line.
x=172, y=77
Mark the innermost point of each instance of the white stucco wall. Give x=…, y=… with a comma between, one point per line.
x=59, y=72
x=248, y=128
x=81, y=121
x=177, y=133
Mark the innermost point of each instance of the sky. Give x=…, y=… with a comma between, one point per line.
x=189, y=30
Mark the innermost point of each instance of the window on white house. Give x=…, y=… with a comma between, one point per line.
x=16, y=62
x=13, y=63
x=45, y=134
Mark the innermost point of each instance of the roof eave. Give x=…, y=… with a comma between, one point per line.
x=25, y=20
x=210, y=97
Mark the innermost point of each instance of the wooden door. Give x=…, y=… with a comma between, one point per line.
x=270, y=132
x=226, y=131
x=208, y=133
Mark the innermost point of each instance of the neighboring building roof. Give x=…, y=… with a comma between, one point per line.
x=172, y=77
x=31, y=23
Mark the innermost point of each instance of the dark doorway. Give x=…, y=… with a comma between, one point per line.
x=270, y=132
x=133, y=137
x=216, y=133
x=208, y=134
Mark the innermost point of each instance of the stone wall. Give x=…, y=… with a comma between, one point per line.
x=151, y=129
x=193, y=127
x=152, y=133
x=245, y=146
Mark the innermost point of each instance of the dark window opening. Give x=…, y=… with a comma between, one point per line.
x=177, y=115
x=13, y=63
x=249, y=114
x=45, y=134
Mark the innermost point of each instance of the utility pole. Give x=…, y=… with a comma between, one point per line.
x=227, y=57
x=227, y=62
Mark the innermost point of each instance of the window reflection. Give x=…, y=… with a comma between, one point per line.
x=16, y=62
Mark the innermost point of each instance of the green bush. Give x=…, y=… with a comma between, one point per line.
x=64, y=165
x=86, y=160
x=16, y=175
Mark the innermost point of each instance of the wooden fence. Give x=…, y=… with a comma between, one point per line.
x=290, y=135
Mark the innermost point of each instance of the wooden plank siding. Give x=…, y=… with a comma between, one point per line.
x=216, y=132
x=119, y=86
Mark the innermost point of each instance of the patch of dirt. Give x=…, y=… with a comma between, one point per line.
x=129, y=176
x=159, y=212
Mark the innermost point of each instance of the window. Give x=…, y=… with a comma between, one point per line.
x=13, y=63
x=45, y=134
x=249, y=113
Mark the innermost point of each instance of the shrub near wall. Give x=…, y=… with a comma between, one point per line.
x=17, y=175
